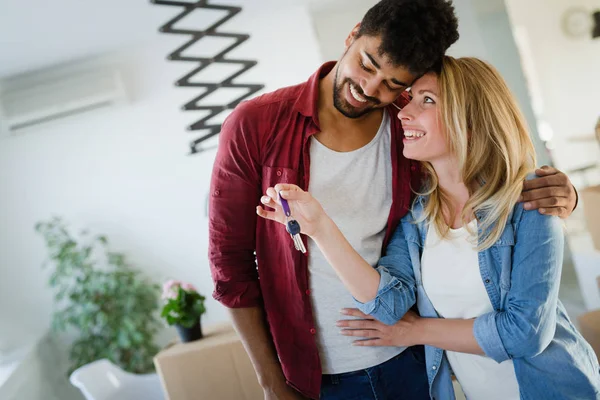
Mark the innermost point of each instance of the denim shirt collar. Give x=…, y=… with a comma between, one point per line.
x=507, y=238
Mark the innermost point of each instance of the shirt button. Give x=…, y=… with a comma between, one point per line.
x=487, y=281
x=307, y=291
x=434, y=368
x=217, y=193
x=413, y=168
x=313, y=331
x=279, y=172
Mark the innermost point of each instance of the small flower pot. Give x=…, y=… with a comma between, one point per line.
x=189, y=334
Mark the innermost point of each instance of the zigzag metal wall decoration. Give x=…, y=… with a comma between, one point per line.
x=196, y=35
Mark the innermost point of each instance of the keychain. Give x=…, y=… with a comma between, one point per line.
x=292, y=226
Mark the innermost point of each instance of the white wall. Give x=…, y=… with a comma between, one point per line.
x=124, y=172
x=485, y=32
x=39, y=33
x=565, y=73
x=334, y=21
x=470, y=42
x=562, y=74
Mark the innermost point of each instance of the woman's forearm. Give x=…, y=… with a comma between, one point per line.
x=359, y=277
x=448, y=334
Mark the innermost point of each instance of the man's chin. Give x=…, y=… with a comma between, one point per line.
x=351, y=112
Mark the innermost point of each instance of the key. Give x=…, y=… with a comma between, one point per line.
x=292, y=226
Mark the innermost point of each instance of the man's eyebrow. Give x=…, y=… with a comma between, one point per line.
x=376, y=65
x=397, y=82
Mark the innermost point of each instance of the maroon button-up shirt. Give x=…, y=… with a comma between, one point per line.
x=253, y=261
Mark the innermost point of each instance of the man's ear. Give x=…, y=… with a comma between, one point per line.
x=351, y=37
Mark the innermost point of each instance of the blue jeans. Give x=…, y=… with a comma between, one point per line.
x=402, y=378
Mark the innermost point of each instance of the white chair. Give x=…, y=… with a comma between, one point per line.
x=102, y=380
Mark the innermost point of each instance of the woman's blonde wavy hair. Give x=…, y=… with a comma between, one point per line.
x=488, y=134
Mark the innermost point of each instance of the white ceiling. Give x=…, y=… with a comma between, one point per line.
x=39, y=33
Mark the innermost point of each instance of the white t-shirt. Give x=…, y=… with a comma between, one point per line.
x=452, y=281
x=355, y=189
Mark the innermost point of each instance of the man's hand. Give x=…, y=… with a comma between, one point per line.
x=251, y=326
x=551, y=194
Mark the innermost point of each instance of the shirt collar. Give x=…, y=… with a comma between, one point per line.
x=308, y=100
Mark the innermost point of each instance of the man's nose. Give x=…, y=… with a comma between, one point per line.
x=370, y=87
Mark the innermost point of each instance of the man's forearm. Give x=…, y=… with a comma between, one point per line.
x=250, y=324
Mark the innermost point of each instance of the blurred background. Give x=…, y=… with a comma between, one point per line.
x=92, y=131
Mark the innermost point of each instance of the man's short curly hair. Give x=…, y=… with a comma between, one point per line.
x=414, y=34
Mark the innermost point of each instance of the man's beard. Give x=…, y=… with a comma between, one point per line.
x=342, y=106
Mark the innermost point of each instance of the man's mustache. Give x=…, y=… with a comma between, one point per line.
x=362, y=94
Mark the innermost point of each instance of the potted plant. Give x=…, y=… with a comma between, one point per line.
x=183, y=308
x=108, y=308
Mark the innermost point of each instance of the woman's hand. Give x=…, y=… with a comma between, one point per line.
x=374, y=333
x=304, y=208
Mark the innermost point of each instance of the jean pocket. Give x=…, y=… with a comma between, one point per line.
x=417, y=353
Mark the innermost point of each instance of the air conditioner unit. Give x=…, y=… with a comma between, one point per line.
x=37, y=98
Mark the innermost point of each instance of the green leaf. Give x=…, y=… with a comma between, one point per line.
x=111, y=308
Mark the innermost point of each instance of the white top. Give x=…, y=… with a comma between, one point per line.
x=452, y=281
x=355, y=189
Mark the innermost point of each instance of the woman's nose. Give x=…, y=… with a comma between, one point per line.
x=405, y=114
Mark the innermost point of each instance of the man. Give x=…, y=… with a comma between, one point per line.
x=337, y=136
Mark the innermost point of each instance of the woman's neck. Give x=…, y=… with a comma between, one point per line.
x=450, y=181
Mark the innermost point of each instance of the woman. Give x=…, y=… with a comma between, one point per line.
x=483, y=272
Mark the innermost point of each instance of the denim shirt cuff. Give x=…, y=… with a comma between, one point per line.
x=378, y=307
x=488, y=338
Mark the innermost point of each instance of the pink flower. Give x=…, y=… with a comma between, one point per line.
x=170, y=289
x=170, y=283
x=188, y=287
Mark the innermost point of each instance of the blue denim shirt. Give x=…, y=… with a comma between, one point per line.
x=521, y=273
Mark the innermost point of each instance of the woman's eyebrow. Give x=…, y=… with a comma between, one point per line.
x=428, y=91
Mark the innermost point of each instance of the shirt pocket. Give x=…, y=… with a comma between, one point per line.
x=271, y=176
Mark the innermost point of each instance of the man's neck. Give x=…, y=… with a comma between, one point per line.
x=339, y=132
